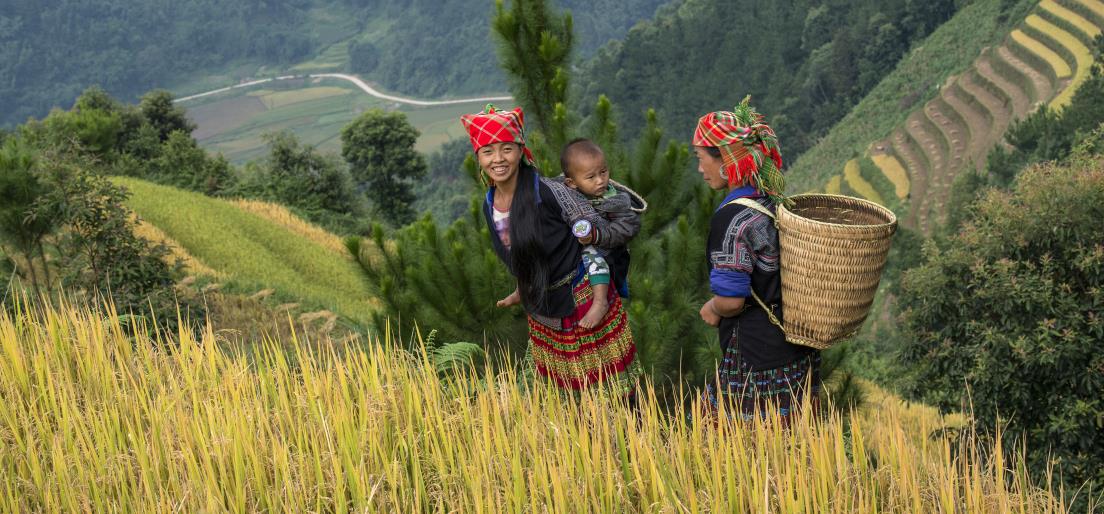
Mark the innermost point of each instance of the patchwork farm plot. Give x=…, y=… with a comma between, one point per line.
x=254, y=246
x=315, y=110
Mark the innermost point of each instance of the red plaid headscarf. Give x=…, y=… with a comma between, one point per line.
x=494, y=126
x=749, y=148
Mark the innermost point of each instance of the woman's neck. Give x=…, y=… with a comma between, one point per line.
x=505, y=190
x=507, y=187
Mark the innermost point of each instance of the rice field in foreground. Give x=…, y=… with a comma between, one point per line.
x=94, y=418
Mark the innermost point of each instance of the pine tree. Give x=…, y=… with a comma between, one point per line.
x=449, y=279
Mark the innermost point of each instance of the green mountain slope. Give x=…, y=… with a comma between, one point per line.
x=979, y=74
x=806, y=63
x=253, y=252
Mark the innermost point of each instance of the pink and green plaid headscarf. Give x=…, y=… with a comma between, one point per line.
x=495, y=126
x=749, y=148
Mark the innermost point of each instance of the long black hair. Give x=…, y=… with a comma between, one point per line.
x=527, y=254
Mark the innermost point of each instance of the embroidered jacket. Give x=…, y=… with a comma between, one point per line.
x=743, y=255
x=559, y=209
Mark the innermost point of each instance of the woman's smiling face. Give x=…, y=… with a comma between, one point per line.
x=500, y=160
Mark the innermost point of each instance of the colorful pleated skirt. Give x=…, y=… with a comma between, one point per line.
x=575, y=358
x=766, y=393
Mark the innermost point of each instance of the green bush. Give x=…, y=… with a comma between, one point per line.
x=1006, y=315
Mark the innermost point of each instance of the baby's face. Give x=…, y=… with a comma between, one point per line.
x=589, y=174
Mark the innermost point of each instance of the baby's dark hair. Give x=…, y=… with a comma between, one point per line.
x=575, y=147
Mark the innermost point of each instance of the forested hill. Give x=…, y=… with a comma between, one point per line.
x=51, y=50
x=438, y=47
x=806, y=63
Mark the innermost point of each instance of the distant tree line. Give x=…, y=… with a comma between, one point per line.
x=51, y=50
x=443, y=47
x=426, y=48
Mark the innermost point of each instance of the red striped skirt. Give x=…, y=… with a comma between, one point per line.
x=576, y=358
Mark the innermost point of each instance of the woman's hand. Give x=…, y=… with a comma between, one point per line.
x=708, y=315
x=510, y=301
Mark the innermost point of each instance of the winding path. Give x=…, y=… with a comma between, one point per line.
x=356, y=81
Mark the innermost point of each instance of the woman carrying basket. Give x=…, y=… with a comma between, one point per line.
x=761, y=372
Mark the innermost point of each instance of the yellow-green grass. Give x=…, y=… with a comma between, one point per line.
x=853, y=176
x=253, y=252
x=833, y=186
x=1061, y=68
x=1094, y=6
x=895, y=172
x=1086, y=27
x=1080, y=52
x=280, y=215
x=95, y=418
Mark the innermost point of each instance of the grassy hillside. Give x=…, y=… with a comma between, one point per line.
x=952, y=99
x=252, y=252
x=99, y=421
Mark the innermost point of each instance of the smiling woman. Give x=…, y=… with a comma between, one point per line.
x=530, y=219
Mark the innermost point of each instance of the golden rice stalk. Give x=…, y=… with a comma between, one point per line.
x=282, y=216
x=95, y=418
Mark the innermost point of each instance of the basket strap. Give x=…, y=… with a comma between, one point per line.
x=770, y=314
x=752, y=204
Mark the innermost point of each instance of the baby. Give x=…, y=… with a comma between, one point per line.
x=585, y=170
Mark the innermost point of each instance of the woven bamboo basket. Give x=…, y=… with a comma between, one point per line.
x=833, y=251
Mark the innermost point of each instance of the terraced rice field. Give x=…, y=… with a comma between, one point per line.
x=280, y=215
x=1041, y=62
x=1094, y=7
x=895, y=172
x=1061, y=68
x=177, y=255
x=252, y=252
x=1076, y=43
x=855, y=180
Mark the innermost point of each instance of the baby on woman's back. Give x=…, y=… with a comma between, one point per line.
x=605, y=255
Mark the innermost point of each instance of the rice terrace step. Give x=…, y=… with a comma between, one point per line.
x=1040, y=62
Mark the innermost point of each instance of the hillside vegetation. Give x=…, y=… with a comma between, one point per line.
x=981, y=78
x=254, y=251
x=99, y=420
x=805, y=63
x=129, y=48
x=427, y=48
